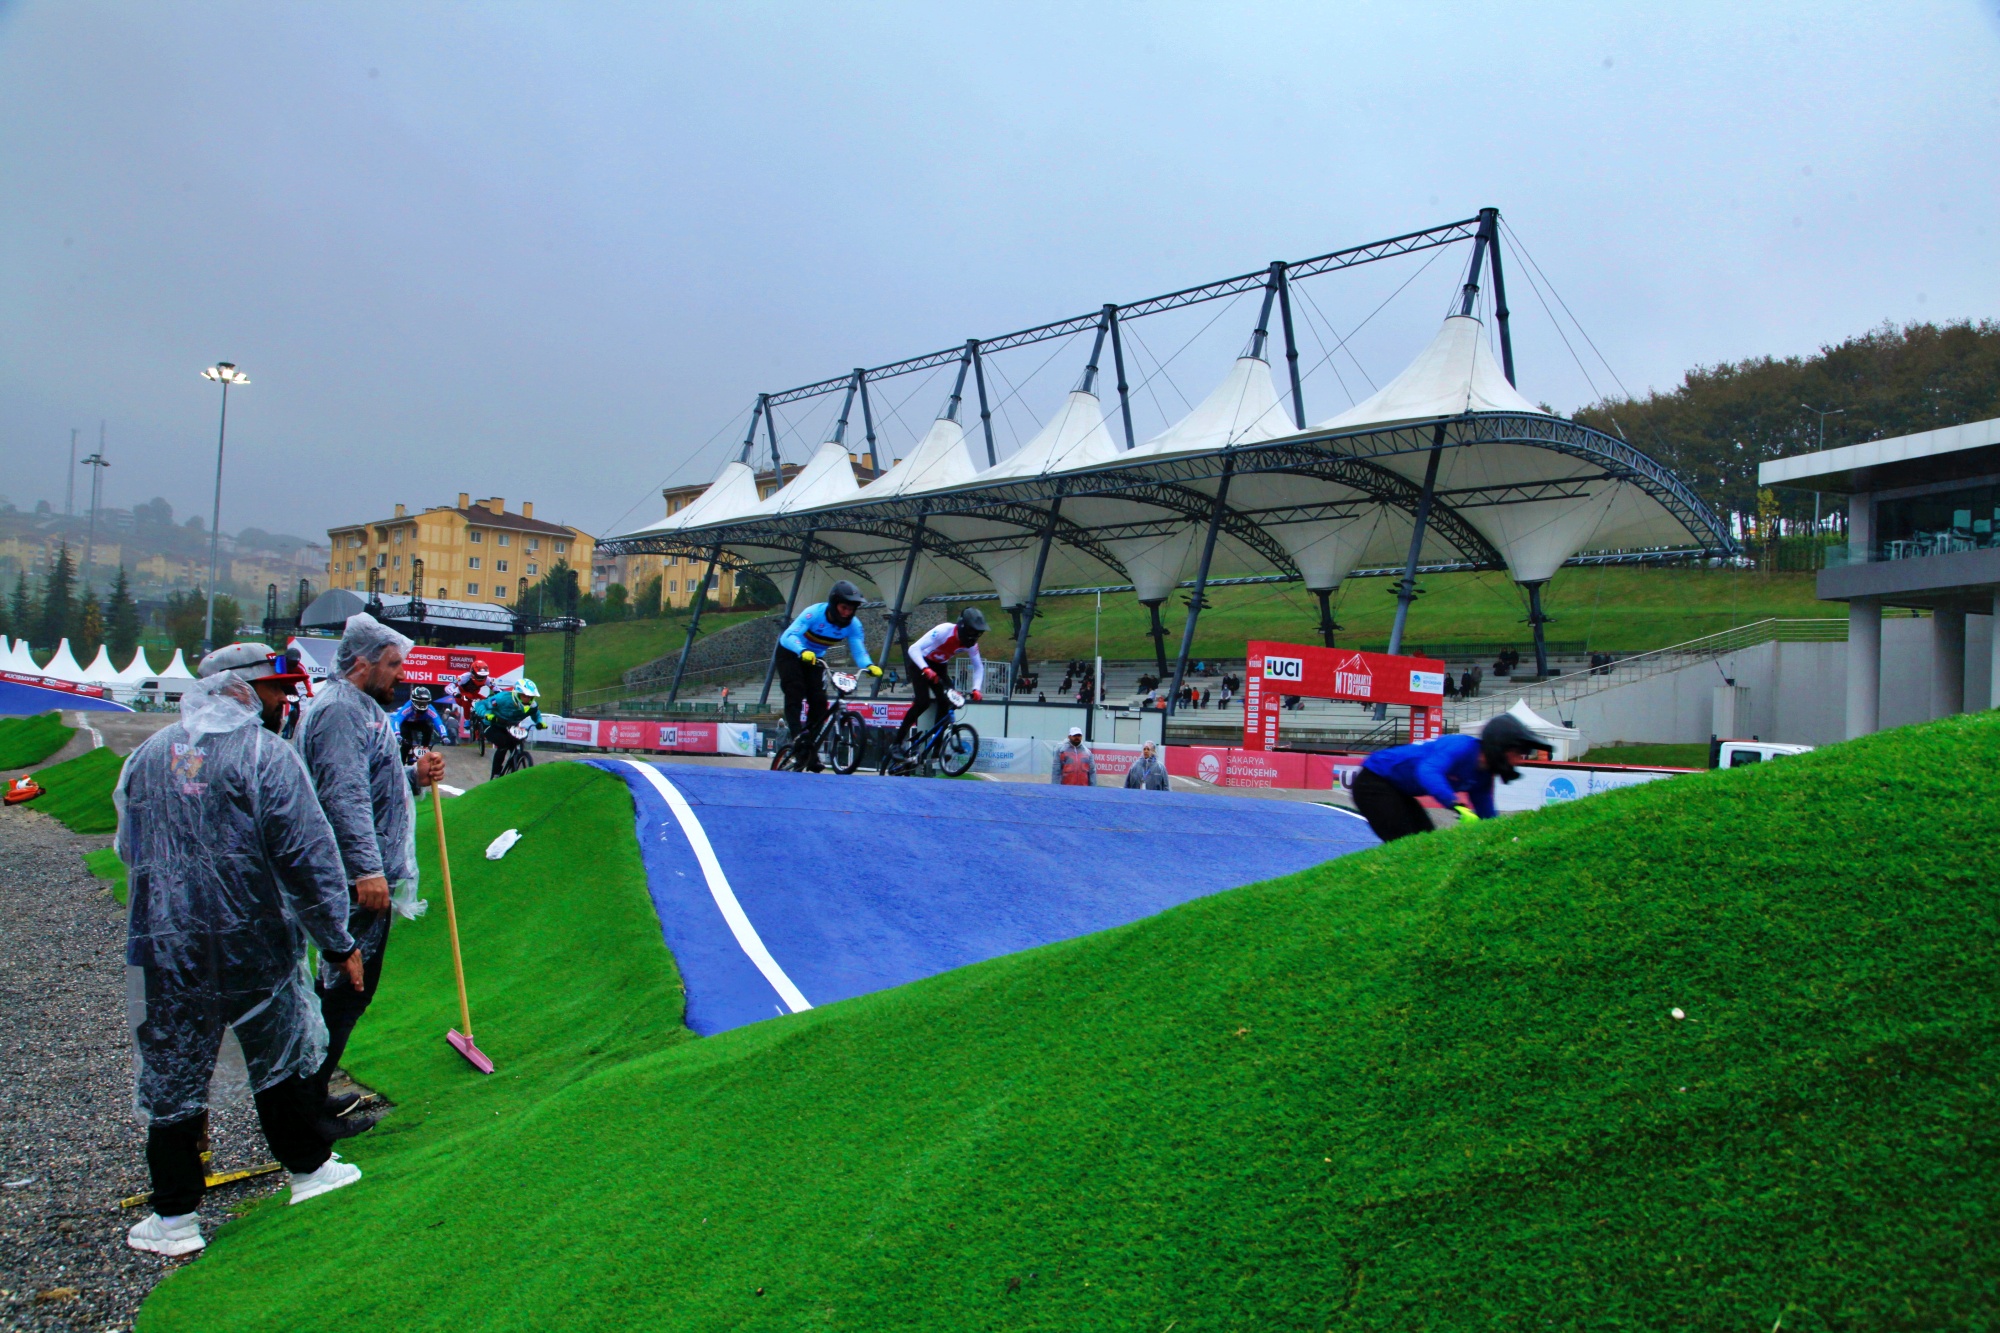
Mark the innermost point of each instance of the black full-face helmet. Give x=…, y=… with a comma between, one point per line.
x=971, y=624
x=1504, y=737
x=842, y=601
x=421, y=696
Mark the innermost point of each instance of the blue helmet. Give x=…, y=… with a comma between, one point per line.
x=527, y=689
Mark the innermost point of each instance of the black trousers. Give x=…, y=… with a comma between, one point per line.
x=803, y=686
x=1390, y=811
x=927, y=695
x=341, y=1005
x=289, y=1115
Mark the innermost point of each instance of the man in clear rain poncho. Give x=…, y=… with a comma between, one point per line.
x=368, y=793
x=234, y=876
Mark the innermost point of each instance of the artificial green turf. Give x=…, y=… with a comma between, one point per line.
x=104, y=864
x=1432, y=1086
x=78, y=791
x=29, y=740
x=1664, y=756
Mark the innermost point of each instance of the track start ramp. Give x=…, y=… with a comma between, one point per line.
x=781, y=891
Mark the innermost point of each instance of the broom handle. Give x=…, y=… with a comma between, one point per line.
x=451, y=912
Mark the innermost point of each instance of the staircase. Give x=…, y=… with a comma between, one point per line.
x=1555, y=697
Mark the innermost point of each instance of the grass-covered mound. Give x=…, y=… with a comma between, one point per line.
x=29, y=740
x=1433, y=1086
x=78, y=791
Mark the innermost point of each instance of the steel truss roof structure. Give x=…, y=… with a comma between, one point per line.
x=1446, y=467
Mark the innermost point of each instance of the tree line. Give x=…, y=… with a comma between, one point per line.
x=1721, y=421
x=60, y=610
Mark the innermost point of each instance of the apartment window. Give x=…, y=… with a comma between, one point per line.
x=503, y=539
x=532, y=569
x=534, y=544
x=472, y=562
x=500, y=565
x=472, y=590
x=381, y=560
x=399, y=537
x=562, y=548
x=673, y=585
x=475, y=536
x=397, y=562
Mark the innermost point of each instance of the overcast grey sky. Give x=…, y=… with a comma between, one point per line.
x=547, y=251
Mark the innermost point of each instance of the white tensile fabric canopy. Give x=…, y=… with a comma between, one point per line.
x=1512, y=480
x=100, y=671
x=138, y=670
x=63, y=665
x=177, y=669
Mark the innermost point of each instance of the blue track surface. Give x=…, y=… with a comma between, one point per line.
x=21, y=700
x=820, y=888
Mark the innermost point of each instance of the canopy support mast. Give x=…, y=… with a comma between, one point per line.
x=1118, y=363
x=1201, y=580
x=985, y=411
x=771, y=434
x=750, y=436
x=1024, y=621
x=791, y=609
x=694, y=619
x=1489, y=223
x=868, y=419
x=1326, y=625
x=1158, y=634
x=840, y=426
x=1291, y=345
x=1536, y=619
x=958, y=389
x=897, y=616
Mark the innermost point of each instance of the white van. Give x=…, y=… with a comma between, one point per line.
x=1738, y=754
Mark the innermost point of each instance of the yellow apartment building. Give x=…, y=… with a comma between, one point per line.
x=470, y=552
x=679, y=575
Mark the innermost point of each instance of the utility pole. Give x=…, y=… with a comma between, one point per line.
x=69, y=487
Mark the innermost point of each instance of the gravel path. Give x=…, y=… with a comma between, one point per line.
x=70, y=1147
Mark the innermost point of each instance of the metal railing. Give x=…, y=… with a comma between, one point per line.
x=1552, y=697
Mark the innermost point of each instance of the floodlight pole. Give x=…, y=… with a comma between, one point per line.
x=694, y=619
x=985, y=411
x=1201, y=581
x=791, y=607
x=1118, y=364
x=1027, y=614
x=867, y=418
x=224, y=373
x=1291, y=344
x=896, y=614
x=1489, y=223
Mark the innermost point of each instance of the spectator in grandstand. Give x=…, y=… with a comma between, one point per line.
x=1147, y=773
x=1074, y=765
x=1387, y=788
x=369, y=796
x=234, y=875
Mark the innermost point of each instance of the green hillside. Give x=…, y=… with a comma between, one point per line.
x=1434, y=1086
x=29, y=740
x=605, y=652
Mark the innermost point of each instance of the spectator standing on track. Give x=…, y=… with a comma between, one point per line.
x=369, y=796
x=1148, y=773
x=234, y=875
x=1075, y=765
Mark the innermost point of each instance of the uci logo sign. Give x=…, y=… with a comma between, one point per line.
x=1284, y=668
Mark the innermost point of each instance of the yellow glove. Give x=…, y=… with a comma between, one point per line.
x=808, y=657
x=1466, y=814
x=874, y=670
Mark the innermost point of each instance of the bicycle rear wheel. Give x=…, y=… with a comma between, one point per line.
x=958, y=748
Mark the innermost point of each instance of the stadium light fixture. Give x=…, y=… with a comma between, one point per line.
x=224, y=373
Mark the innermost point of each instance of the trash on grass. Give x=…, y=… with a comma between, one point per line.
x=503, y=844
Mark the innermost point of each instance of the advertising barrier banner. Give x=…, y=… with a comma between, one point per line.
x=657, y=737
x=435, y=667
x=1219, y=767
x=883, y=713
x=1548, y=784
x=60, y=686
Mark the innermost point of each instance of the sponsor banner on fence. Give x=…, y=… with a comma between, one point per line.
x=51, y=683
x=1010, y=754
x=883, y=713
x=1113, y=760
x=668, y=737
x=1550, y=784
x=567, y=731
x=1219, y=767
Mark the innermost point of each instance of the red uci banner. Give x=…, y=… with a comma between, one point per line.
x=1275, y=670
x=51, y=683
x=875, y=714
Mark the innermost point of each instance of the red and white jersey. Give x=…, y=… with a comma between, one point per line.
x=937, y=648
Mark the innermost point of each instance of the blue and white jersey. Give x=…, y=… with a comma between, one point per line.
x=813, y=630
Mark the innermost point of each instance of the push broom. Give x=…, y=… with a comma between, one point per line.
x=463, y=1044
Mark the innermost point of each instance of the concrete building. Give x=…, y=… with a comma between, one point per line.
x=469, y=552
x=1923, y=534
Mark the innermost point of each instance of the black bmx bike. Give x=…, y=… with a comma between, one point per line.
x=948, y=748
x=837, y=743
x=517, y=757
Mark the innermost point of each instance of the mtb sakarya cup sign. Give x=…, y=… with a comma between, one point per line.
x=1279, y=669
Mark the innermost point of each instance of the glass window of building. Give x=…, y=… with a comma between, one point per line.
x=1940, y=523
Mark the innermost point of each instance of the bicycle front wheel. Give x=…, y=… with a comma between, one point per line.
x=840, y=747
x=959, y=748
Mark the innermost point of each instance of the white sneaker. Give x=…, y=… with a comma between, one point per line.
x=332, y=1175
x=171, y=1236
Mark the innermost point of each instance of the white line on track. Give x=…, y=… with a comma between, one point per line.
x=718, y=888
